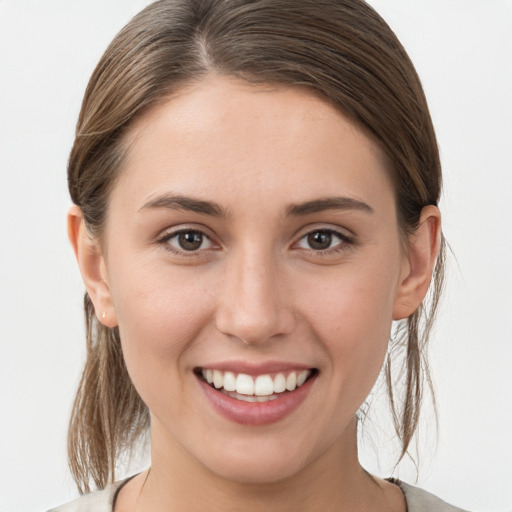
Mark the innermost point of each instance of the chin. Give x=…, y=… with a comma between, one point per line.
x=257, y=472
x=256, y=461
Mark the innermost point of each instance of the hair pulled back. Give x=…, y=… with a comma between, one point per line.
x=342, y=50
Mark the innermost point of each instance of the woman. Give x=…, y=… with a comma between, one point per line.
x=256, y=188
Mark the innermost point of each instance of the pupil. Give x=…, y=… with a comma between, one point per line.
x=190, y=240
x=320, y=240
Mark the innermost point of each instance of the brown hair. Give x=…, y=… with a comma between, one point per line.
x=342, y=50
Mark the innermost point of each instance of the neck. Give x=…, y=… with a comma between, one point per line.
x=333, y=482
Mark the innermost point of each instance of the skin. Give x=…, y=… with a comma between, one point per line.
x=255, y=290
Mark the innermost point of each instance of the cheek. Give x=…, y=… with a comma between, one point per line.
x=159, y=313
x=351, y=314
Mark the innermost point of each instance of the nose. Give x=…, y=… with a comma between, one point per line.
x=253, y=302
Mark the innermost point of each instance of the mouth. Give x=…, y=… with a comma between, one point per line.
x=255, y=388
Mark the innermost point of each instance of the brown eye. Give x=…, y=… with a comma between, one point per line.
x=327, y=240
x=320, y=240
x=190, y=240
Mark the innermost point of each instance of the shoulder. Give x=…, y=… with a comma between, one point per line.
x=419, y=500
x=99, y=501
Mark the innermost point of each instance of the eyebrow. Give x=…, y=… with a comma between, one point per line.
x=328, y=203
x=179, y=202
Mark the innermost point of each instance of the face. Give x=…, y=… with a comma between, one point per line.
x=252, y=240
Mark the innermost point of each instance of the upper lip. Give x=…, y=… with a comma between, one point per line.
x=252, y=368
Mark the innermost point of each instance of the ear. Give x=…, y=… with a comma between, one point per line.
x=423, y=248
x=92, y=267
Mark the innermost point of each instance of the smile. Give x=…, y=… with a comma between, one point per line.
x=256, y=395
x=260, y=388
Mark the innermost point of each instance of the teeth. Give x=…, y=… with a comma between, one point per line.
x=258, y=389
x=244, y=384
x=291, y=381
x=252, y=398
x=229, y=381
x=218, y=379
x=264, y=386
x=301, y=378
x=279, y=383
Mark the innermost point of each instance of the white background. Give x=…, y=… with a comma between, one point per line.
x=463, y=52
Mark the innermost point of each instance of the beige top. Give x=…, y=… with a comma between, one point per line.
x=417, y=500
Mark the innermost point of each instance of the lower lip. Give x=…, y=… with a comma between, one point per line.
x=256, y=413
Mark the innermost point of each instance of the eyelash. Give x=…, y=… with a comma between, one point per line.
x=166, y=238
x=344, y=241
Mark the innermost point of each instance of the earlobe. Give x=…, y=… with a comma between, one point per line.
x=92, y=267
x=424, y=246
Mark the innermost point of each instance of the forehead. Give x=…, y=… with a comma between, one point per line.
x=250, y=137
x=226, y=102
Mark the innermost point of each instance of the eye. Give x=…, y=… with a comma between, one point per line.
x=189, y=240
x=322, y=240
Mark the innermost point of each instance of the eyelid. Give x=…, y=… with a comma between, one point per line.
x=332, y=233
x=169, y=233
x=344, y=233
x=346, y=240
